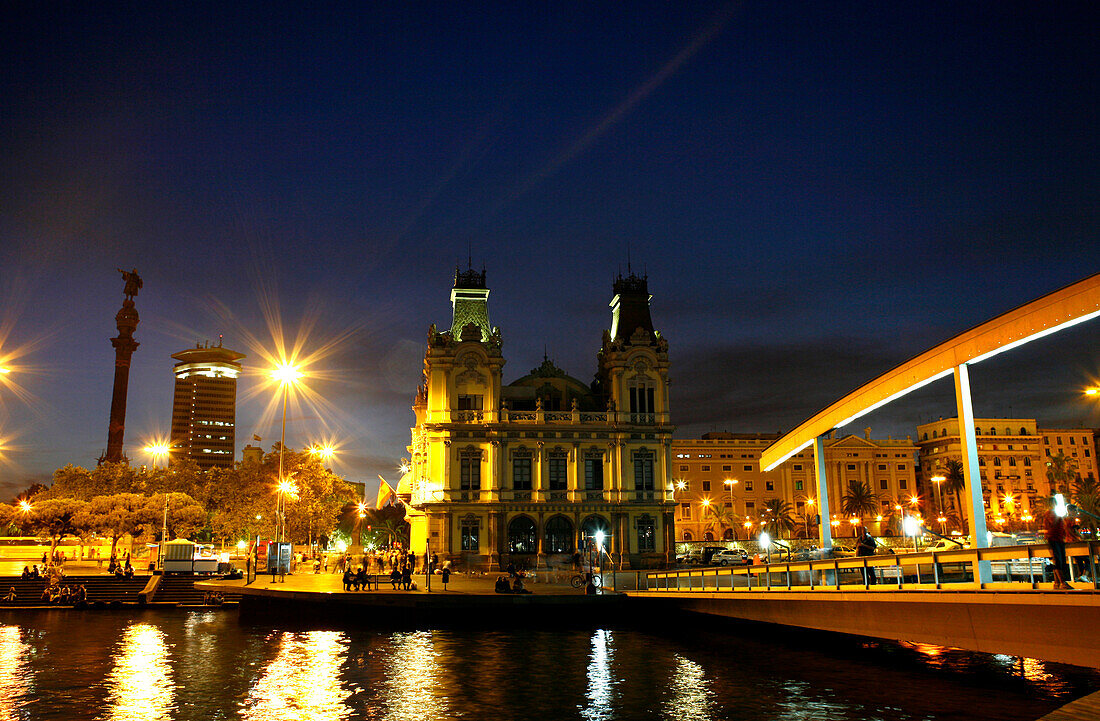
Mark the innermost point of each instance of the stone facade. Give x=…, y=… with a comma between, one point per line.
x=702, y=466
x=528, y=472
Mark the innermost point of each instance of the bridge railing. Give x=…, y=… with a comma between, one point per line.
x=1012, y=568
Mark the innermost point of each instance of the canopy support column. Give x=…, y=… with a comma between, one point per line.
x=825, y=529
x=975, y=504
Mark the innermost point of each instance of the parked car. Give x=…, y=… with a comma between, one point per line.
x=730, y=557
x=840, y=551
x=700, y=556
x=946, y=545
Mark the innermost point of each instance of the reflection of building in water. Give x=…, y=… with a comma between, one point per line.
x=140, y=685
x=538, y=466
x=302, y=681
x=15, y=677
x=601, y=684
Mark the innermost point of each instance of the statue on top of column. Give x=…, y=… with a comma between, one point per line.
x=133, y=283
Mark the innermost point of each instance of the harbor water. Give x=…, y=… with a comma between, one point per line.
x=207, y=665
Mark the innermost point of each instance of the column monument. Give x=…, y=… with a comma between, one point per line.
x=126, y=320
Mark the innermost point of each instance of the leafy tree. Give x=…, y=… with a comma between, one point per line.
x=104, y=480
x=319, y=492
x=1061, y=472
x=859, y=500
x=185, y=515
x=56, y=518
x=116, y=516
x=778, y=517
x=29, y=493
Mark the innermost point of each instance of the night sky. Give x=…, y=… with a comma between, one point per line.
x=817, y=191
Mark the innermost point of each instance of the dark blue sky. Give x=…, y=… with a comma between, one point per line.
x=816, y=190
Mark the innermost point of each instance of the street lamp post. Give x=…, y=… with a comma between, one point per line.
x=730, y=483
x=937, y=480
x=287, y=374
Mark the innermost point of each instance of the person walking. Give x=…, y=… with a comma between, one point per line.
x=1058, y=531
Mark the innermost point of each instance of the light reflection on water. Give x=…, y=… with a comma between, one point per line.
x=600, y=682
x=303, y=681
x=157, y=665
x=140, y=684
x=691, y=693
x=14, y=681
x=411, y=676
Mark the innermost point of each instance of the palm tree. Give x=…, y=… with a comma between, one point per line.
x=955, y=483
x=718, y=517
x=1061, y=472
x=778, y=517
x=859, y=500
x=1086, y=496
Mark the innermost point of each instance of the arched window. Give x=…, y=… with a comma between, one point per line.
x=1012, y=462
x=981, y=460
x=1027, y=462
x=728, y=535
x=934, y=434
x=992, y=431
x=1008, y=431
x=926, y=435
x=996, y=461
x=687, y=535
x=1023, y=431
x=708, y=536
x=522, y=535
x=558, y=535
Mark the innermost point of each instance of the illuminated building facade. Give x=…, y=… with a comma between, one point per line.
x=204, y=409
x=1013, y=454
x=710, y=509
x=533, y=469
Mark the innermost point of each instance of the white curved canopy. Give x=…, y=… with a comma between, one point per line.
x=1051, y=313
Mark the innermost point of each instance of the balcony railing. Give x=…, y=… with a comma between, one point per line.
x=558, y=417
x=578, y=495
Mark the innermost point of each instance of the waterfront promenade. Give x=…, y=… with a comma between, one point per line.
x=320, y=599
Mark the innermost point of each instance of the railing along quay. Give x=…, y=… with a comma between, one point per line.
x=1014, y=568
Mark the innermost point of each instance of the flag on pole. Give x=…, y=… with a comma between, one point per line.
x=386, y=494
x=257, y=438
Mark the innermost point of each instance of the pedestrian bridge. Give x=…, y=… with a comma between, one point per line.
x=929, y=597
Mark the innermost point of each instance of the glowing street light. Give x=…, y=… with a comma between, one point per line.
x=766, y=542
x=911, y=526
x=4, y=370
x=1092, y=391
x=157, y=450
x=324, y=452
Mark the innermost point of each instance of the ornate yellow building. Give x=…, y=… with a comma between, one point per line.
x=533, y=469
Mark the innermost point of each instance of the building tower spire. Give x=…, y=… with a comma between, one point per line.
x=470, y=305
x=126, y=320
